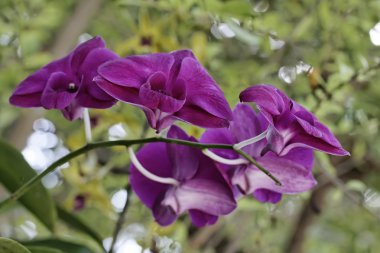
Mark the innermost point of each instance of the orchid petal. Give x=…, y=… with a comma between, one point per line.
x=57, y=92
x=294, y=177
x=29, y=91
x=247, y=124
x=123, y=93
x=197, y=116
x=200, y=219
x=134, y=71
x=184, y=159
x=80, y=52
x=72, y=112
x=164, y=215
x=264, y=195
x=202, y=90
x=147, y=190
x=203, y=195
x=266, y=97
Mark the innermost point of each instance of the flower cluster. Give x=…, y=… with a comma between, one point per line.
x=169, y=178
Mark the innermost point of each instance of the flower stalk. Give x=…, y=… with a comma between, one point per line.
x=147, y=173
x=250, y=141
x=87, y=125
x=91, y=146
x=223, y=160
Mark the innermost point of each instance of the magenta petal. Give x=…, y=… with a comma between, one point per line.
x=294, y=177
x=80, y=52
x=201, y=219
x=202, y=90
x=164, y=215
x=57, y=93
x=147, y=190
x=276, y=141
x=307, y=141
x=135, y=70
x=153, y=95
x=264, y=196
x=184, y=159
x=123, y=93
x=197, y=116
x=72, y=111
x=178, y=56
x=203, y=195
x=29, y=91
x=91, y=95
x=266, y=97
x=221, y=136
x=247, y=124
x=302, y=156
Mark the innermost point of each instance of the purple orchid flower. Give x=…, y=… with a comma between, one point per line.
x=167, y=86
x=291, y=125
x=67, y=84
x=293, y=169
x=198, y=185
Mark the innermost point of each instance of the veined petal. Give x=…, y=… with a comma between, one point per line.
x=267, y=98
x=90, y=94
x=153, y=95
x=184, y=159
x=202, y=90
x=308, y=141
x=294, y=177
x=302, y=156
x=221, y=136
x=154, y=158
x=135, y=70
x=247, y=124
x=29, y=91
x=80, y=53
x=200, y=117
x=178, y=56
x=123, y=93
x=201, y=194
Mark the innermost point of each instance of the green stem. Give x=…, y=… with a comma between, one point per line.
x=254, y=162
x=23, y=189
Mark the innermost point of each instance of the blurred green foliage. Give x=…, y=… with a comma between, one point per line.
x=241, y=43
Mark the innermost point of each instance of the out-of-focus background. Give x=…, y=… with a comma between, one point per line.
x=324, y=54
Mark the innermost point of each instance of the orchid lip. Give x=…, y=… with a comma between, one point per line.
x=147, y=173
x=252, y=140
x=223, y=160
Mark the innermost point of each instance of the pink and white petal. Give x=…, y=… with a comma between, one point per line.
x=201, y=194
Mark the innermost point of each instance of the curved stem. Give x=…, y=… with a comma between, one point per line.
x=87, y=125
x=250, y=141
x=121, y=218
x=254, y=162
x=90, y=146
x=223, y=160
x=147, y=173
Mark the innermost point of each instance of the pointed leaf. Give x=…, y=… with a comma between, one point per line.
x=62, y=245
x=14, y=172
x=10, y=246
x=40, y=249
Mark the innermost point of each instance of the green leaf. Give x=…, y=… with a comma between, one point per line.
x=15, y=171
x=65, y=246
x=40, y=249
x=78, y=224
x=10, y=246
